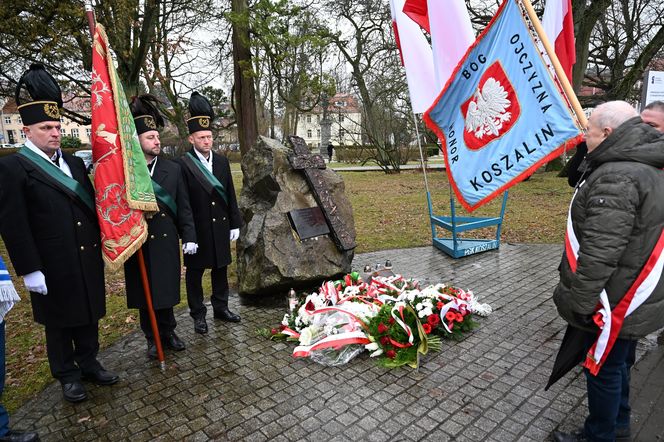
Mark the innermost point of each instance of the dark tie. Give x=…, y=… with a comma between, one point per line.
x=56, y=160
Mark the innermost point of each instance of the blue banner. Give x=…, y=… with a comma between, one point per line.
x=501, y=115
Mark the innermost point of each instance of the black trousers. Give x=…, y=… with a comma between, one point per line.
x=165, y=322
x=194, y=283
x=72, y=351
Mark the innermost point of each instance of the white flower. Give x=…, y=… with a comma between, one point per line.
x=376, y=353
x=306, y=336
x=285, y=320
x=372, y=346
x=425, y=312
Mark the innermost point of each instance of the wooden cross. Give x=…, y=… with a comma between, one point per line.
x=312, y=165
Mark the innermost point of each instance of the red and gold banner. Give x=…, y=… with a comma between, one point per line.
x=123, y=188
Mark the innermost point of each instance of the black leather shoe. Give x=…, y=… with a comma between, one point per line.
x=200, y=326
x=152, y=349
x=577, y=436
x=20, y=436
x=623, y=434
x=74, y=392
x=173, y=342
x=226, y=315
x=102, y=377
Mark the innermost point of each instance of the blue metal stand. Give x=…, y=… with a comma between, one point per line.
x=456, y=247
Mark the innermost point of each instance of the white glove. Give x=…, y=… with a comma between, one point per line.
x=189, y=248
x=35, y=282
x=235, y=234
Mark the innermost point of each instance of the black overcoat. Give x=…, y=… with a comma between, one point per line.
x=162, y=248
x=45, y=228
x=213, y=217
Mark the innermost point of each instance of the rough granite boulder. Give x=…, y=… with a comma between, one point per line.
x=270, y=257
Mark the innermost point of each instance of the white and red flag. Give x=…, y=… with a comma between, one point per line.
x=559, y=27
x=416, y=57
x=450, y=29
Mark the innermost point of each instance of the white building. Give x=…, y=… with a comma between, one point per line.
x=346, y=122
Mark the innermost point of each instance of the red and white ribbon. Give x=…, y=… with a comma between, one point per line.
x=332, y=341
x=402, y=323
x=637, y=294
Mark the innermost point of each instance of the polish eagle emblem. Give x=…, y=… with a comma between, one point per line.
x=487, y=110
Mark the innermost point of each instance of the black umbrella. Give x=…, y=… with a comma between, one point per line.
x=571, y=353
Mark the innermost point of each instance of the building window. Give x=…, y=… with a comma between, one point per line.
x=8, y=120
x=341, y=118
x=62, y=119
x=317, y=118
x=88, y=131
x=308, y=118
x=341, y=134
x=74, y=133
x=309, y=133
x=63, y=131
x=22, y=135
x=10, y=137
x=19, y=120
x=317, y=133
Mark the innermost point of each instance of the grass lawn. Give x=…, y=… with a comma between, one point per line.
x=390, y=212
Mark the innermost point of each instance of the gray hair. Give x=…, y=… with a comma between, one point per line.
x=614, y=113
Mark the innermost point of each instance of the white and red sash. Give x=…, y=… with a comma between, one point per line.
x=610, y=321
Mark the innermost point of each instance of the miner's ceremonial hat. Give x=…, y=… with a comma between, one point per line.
x=201, y=113
x=43, y=99
x=145, y=112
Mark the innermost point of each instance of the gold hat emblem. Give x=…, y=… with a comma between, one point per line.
x=149, y=122
x=51, y=110
x=204, y=121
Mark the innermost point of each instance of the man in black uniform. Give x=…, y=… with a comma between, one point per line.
x=49, y=225
x=162, y=249
x=216, y=216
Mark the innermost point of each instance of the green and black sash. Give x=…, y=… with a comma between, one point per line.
x=165, y=199
x=209, y=182
x=69, y=185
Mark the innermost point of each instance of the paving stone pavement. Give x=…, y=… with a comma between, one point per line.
x=232, y=384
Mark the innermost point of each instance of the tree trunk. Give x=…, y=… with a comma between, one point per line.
x=245, y=103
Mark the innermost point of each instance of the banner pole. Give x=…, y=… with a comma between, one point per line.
x=419, y=145
x=562, y=77
x=150, y=309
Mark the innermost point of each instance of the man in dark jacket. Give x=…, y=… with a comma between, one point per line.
x=49, y=225
x=216, y=216
x=610, y=273
x=161, y=251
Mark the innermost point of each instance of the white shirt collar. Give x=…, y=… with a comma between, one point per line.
x=30, y=145
x=63, y=164
x=206, y=161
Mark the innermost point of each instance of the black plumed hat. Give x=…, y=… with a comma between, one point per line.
x=201, y=113
x=146, y=114
x=45, y=96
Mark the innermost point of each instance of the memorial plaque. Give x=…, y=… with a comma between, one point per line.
x=309, y=222
x=311, y=165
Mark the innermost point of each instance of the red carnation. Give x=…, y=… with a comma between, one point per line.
x=450, y=315
x=274, y=331
x=427, y=328
x=459, y=317
x=433, y=320
x=440, y=305
x=310, y=307
x=391, y=354
x=391, y=320
x=384, y=340
x=348, y=280
x=382, y=328
x=282, y=327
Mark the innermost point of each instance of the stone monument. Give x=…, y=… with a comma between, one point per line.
x=299, y=227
